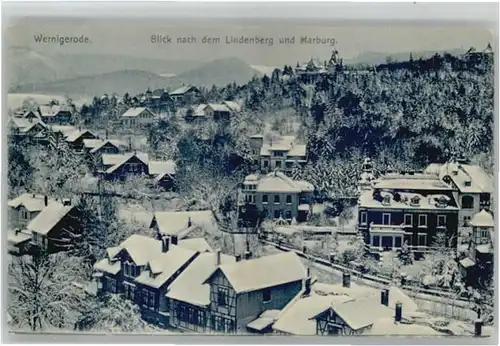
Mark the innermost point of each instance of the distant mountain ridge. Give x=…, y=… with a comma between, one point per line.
x=376, y=58
x=219, y=72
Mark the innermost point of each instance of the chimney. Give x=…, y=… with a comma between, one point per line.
x=174, y=239
x=238, y=258
x=399, y=312
x=66, y=202
x=217, y=257
x=190, y=223
x=346, y=279
x=46, y=200
x=307, y=285
x=478, y=327
x=164, y=244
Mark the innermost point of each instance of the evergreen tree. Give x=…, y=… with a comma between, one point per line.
x=406, y=255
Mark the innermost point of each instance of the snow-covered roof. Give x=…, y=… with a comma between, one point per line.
x=416, y=181
x=279, y=182
x=297, y=319
x=468, y=178
x=175, y=222
x=113, y=251
x=92, y=143
x=387, y=327
x=235, y=107
x=49, y=111
x=196, y=244
x=135, y=111
x=183, y=90
x=141, y=248
x=263, y=272
x=24, y=124
x=264, y=320
x=162, y=167
x=106, y=266
x=164, y=266
x=112, y=159
x=49, y=217
x=32, y=202
x=367, y=200
x=484, y=248
x=114, y=143
x=143, y=157
x=218, y=107
x=467, y=262
x=282, y=143
x=199, y=110
x=17, y=237
x=65, y=130
x=482, y=219
x=73, y=136
x=189, y=287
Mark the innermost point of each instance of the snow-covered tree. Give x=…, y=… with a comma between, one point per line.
x=406, y=255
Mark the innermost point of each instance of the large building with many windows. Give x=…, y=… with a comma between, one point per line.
x=410, y=207
x=277, y=196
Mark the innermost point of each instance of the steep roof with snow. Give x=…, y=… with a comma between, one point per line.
x=162, y=167
x=141, y=248
x=387, y=327
x=73, y=136
x=175, y=222
x=114, y=143
x=263, y=272
x=483, y=219
x=49, y=217
x=468, y=178
x=279, y=182
x=194, y=276
x=183, y=90
x=32, y=202
x=233, y=106
x=196, y=244
x=135, y=111
x=143, y=157
x=162, y=267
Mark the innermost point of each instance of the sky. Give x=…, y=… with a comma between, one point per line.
x=133, y=37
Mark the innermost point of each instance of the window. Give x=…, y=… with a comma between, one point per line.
x=422, y=239
x=276, y=199
x=288, y=199
x=397, y=242
x=266, y=295
x=222, y=296
x=408, y=238
x=130, y=270
x=288, y=214
x=266, y=163
x=24, y=214
x=376, y=240
x=422, y=220
x=441, y=221
x=149, y=299
x=277, y=213
x=111, y=285
x=466, y=220
x=467, y=202
x=278, y=164
x=278, y=153
x=386, y=219
x=408, y=220
x=264, y=198
x=364, y=217
x=129, y=291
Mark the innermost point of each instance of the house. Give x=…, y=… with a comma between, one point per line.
x=46, y=224
x=142, y=269
x=54, y=114
x=58, y=133
x=218, y=112
x=137, y=116
x=161, y=101
x=241, y=291
x=473, y=187
x=163, y=173
x=477, y=265
x=27, y=114
x=311, y=71
x=122, y=166
x=189, y=308
x=186, y=95
x=106, y=146
x=196, y=113
x=29, y=128
x=183, y=223
x=282, y=152
x=233, y=106
x=409, y=207
x=75, y=139
x=277, y=196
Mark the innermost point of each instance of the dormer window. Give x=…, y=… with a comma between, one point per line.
x=386, y=200
x=468, y=183
x=442, y=202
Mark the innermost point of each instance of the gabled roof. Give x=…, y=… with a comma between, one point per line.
x=49, y=111
x=175, y=222
x=127, y=157
x=235, y=107
x=189, y=287
x=135, y=111
x=112, y=159
x=218, y=107
x=162, y=167
x=24, y=124
x=164, y=266
x=199, y=111
x=141, y=248
x=73, y=136
x=196, y=244
x=65, y=130
x=263, y=272
x=92, y=143
x=31, y=202
x=279, y=182
x=478, y=180
x=483, y=219
x=183, y=90
x=49, y=217
x=103, y=143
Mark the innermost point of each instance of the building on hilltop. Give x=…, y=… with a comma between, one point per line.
x=278, y=197
x=137, y=116
x=409, y=207
x=282, y=153
x=311, y=71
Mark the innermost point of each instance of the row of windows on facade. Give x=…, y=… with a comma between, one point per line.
x=408, y=219
x=397, y=241
x=265, y=198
